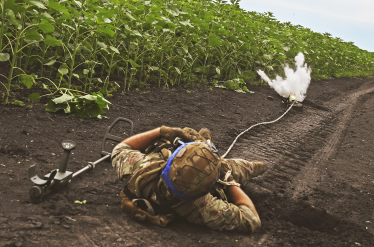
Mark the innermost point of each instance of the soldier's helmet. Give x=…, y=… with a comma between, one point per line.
x=192, y=170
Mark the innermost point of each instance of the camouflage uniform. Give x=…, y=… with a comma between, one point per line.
x=207, y=210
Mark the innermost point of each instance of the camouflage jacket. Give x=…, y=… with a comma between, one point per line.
x=207, y=210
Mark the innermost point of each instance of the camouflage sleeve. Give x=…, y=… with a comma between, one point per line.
x=218, y=214
x=126, y=160
x=243, y=170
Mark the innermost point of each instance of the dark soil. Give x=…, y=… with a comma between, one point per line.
x=318, y=191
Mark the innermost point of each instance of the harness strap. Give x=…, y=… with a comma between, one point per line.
x=137, y=202
x=128, y=193
x=148, y=205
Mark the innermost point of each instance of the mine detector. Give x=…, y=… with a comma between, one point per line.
x=60, y=177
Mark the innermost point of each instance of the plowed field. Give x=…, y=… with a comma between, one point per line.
x=318, y=190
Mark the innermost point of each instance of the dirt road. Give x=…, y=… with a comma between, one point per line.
x=318, y=191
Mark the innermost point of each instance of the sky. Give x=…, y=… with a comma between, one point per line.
x=350, y=20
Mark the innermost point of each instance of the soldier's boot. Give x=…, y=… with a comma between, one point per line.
x=258, y=168
x=205, y=133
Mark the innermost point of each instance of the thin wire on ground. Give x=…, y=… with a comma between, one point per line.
x=263, y=123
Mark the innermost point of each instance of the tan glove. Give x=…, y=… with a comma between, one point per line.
x=203, y=135
x=171, y=133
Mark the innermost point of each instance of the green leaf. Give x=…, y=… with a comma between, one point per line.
x=52, y=41
x=85, y=71
x=67, y=109
x=106, y=31
x=185, y=48
x=32, y=34
x=17, y=8
x=214, y=82
x=239, y=90
x=106, y=20
x=62, y=99
x=220, y=86
x=38, y=4
x=45, y=87
x=129, y=15
x=18, y=102
x=231, y=84
x=245, y=89
x=87, y=45
x=218, y=70
x=77, y=201
x=4, y=57
x=180, y=52
x=66, y=25
x=34, y=97
x=268, y=57
x=52, y=107
x=133, y=63
x=102, y=45
x=46, y=27
x=101, y=101
x=27, y=80
x=47, y=16
x=87, y=110
x=58, y=7
x=154, y=67
x=89, y=97
x=50, y=63
x=114, y=49
x=63, y=70
x=186, y=23
x=12, y=18
x=173, y=12
x=79, y=4
x=104, y=49
x=232, y=38
x=214, y=41
x=163, y=71
x=136, y=33
x=74, y=11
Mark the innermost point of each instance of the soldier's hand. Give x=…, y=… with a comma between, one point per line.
x=171, y=133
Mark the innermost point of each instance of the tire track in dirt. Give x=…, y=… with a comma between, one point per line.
x=297, y=150
x=307, y=180
x=277, y=143
x=298, y=146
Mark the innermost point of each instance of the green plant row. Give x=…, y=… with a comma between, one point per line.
x=103, y=45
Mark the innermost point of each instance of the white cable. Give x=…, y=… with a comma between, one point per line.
x=223, y=156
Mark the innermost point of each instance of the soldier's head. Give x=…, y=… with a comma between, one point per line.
x=192, y=170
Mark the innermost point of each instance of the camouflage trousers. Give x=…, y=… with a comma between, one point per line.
x=243, y=170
